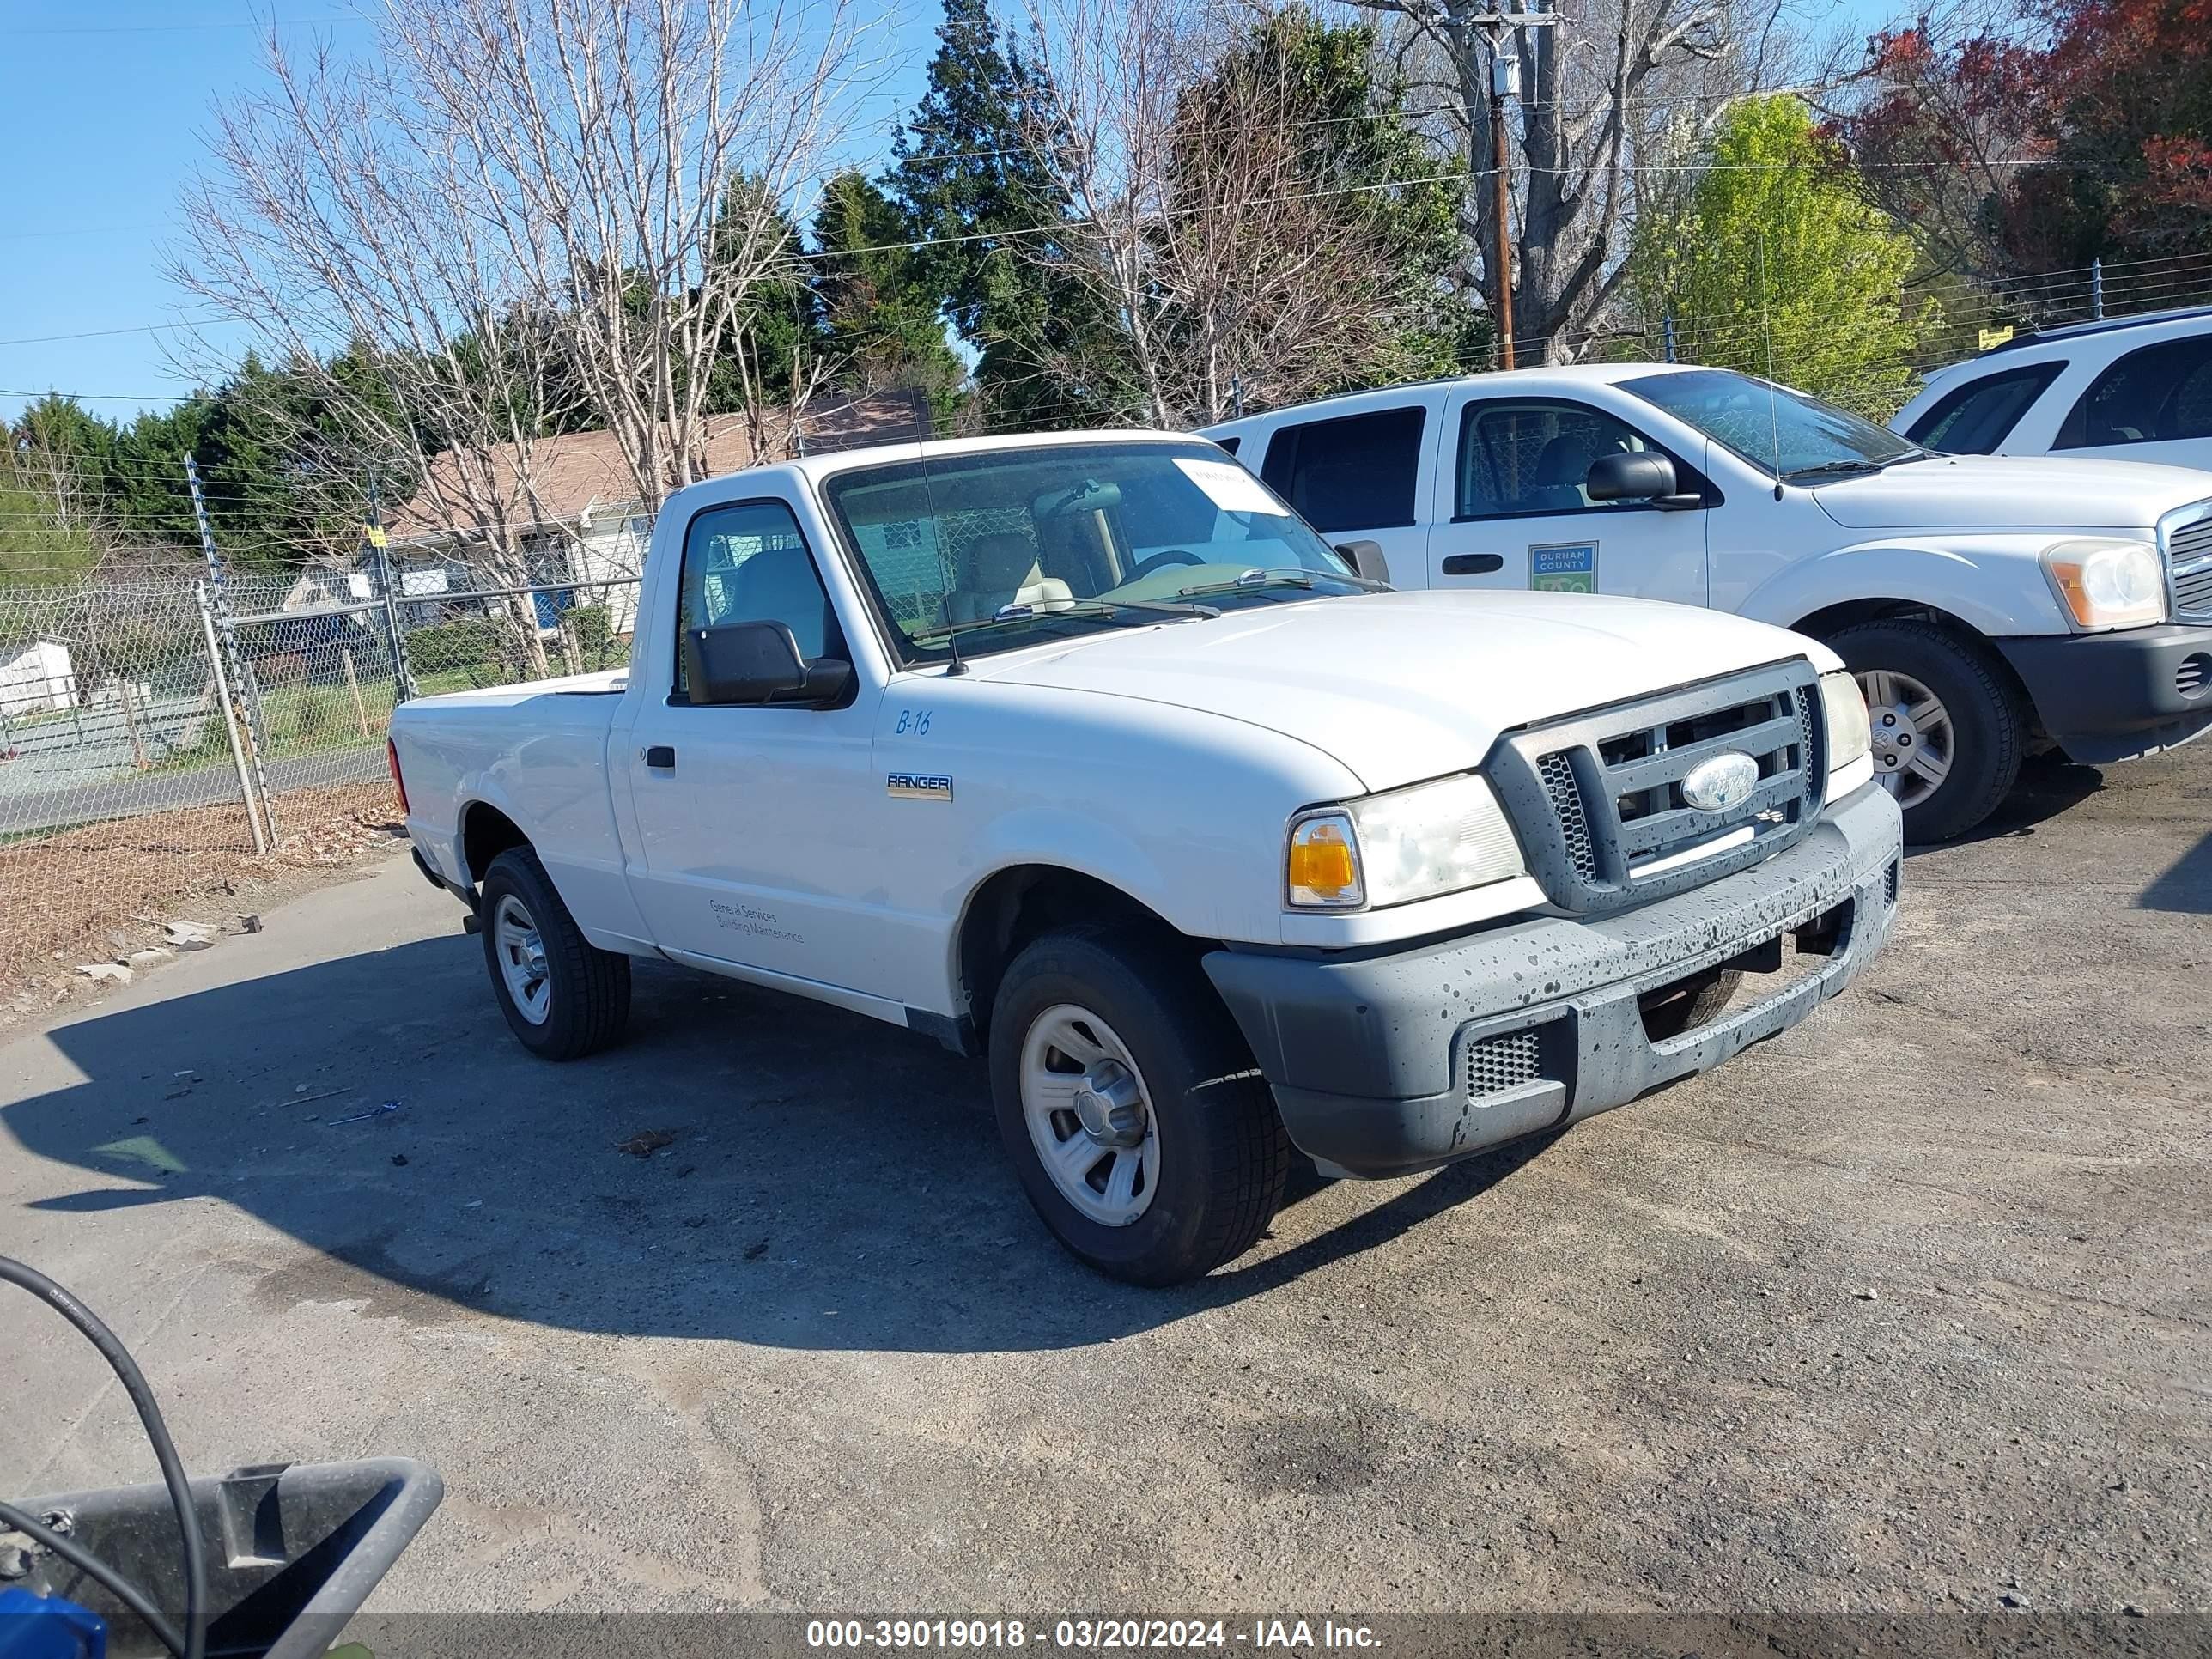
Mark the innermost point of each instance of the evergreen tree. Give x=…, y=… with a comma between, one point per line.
x=878, y=302
x=963, y=174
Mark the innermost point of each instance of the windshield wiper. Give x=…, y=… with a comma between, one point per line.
x=1282, y=576
x=1832, y=468
x=1858, y=464
x=1051, y=610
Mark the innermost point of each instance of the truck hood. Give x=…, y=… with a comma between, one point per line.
x=1400, y=687
x=2012, y=492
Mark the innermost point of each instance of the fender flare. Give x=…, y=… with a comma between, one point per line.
x=1984, y=592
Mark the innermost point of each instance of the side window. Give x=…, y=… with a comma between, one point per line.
x=2153, y=395
x=1975, y=418
x=750, y=564
x=1356, y=472
x=1229, y=444
x=1522, y=456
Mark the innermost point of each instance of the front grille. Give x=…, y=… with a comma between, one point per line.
x=1600, y=796
x=2189, y=560
x=1809, y=737
x=1566, y=801
x=1498, y=1063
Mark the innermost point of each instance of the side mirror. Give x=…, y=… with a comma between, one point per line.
x=1630, y=476
x=1367, y=559
x=758, y=662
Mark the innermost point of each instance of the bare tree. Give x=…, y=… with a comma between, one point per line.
x=1231, y=265
x=1611, y=93
x=507, y=217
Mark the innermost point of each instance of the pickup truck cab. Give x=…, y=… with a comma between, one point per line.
x=1989, y=606
x=1084, y=753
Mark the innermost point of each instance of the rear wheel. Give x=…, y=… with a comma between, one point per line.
x=1947, y=725
x=1141, y=1131
x=564, y=997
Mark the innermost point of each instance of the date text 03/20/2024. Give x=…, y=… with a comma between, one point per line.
x=1090, y=1635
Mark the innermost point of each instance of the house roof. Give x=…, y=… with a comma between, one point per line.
x=567, y=476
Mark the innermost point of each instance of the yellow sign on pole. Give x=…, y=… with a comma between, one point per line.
x=376, y=536
x=1996, y=336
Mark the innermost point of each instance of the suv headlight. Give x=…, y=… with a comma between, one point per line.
x=1845, y=713
x=2107, y=584
x=1413, y=843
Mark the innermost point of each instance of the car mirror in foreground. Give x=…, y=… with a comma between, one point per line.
x=1367, y=559
x=758, y=662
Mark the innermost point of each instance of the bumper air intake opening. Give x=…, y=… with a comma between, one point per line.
x=1675, y=1007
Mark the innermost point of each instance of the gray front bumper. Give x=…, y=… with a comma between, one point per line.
x=1369, y=1056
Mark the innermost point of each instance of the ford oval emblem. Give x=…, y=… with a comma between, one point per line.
x=1723, y=781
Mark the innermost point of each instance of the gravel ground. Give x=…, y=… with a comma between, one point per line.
x=1906, y=1310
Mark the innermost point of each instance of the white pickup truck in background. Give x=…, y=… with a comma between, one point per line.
x=1084, y=753
x=1989, y=605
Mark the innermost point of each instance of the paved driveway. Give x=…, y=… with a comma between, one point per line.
x=1907, y=1309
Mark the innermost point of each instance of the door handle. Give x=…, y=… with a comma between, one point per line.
x=661, y=758
x=1474, y=564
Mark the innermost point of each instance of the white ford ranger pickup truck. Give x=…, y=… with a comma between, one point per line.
x=1084, y=753
x=1990, y=605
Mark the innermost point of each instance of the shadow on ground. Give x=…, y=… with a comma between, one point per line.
x=2048, y=786
x=830, y=1182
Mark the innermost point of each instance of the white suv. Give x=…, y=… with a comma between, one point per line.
x=1987, y=604
x=2133, y=388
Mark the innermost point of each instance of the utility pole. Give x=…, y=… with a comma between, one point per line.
x=1504, y=78
x=1505, y=82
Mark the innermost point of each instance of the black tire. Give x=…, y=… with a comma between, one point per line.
x=588, y=1004
x=1693, y=1002
x=1988, y=727
x=1222, y=1157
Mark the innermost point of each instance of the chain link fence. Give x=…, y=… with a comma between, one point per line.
x=159, y=735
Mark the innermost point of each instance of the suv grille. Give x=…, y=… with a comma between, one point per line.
x=2189, y=561
x=1599, y=799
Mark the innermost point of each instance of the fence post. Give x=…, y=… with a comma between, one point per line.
x=1666, y=334
x=2097, y=289
x=379, y=559
x=242, y=671
x=224, y=712
x=353, y=684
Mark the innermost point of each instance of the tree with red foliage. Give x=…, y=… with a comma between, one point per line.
x=2070, y=130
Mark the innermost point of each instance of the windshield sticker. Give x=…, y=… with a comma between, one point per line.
x=1229, y=487
x=1563, y=567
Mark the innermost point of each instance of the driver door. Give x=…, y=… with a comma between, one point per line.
x=757, y=827
x=1511, y=510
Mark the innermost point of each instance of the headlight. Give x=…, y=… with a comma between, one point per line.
x=2108, y=584
x=1409, y=844
x=1845, y=717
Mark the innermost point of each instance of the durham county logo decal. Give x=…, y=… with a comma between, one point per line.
x=1723, y=781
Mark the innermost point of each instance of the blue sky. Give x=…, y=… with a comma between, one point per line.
x=105, y=105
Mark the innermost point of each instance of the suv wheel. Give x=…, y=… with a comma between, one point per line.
x=1947, y=730
x=1141, y=1131
x=564, y=997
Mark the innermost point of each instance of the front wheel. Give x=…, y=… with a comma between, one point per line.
x=564, y=997
x=1947, y=725
x=1141, y=1132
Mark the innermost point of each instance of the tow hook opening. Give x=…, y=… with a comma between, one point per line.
x=1756, y=973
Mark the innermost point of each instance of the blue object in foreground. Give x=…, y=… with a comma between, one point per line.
x=47, y=1628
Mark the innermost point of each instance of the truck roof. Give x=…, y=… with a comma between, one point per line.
x=1504, y=380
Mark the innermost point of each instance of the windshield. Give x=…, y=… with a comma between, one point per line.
x=1043, y=542
x=1770, y=424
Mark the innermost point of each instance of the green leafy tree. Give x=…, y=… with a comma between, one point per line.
x=1775, y=258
